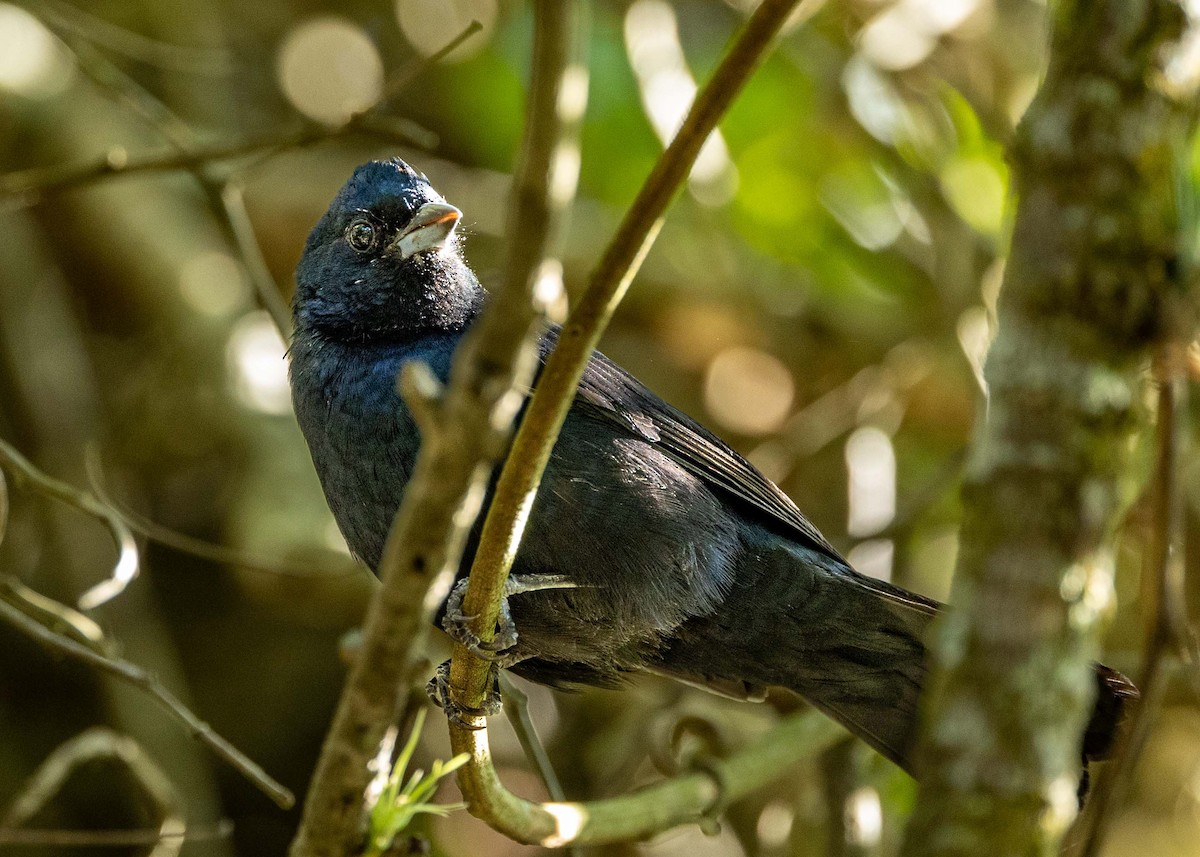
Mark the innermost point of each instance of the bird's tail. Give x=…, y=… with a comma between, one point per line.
x=851, y=645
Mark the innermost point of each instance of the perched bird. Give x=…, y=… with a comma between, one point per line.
x=680, y=557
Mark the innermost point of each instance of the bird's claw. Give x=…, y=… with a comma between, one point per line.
x=438, y=690
x=501, y=649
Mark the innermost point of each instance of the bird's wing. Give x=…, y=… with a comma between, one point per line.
x=608, y=389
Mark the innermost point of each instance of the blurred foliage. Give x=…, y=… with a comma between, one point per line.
x=835, y=274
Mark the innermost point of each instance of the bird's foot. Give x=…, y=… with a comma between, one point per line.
x=438, y=690
x=501, y=649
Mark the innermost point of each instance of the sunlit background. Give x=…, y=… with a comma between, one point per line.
x=823, y=296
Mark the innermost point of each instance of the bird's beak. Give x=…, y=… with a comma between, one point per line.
x=430, y=227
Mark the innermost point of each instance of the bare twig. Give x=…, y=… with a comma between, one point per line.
x=144, y=681
x=1167, y=634
x=118, y=162
x=56, y=616
x=411, y=71
x=203, y=549
x=516, y=709
x=224, y=196
x=72, y=20
x=128, y=564
x=841, y=409
x=125, y=90
x=531, y=449
x=102, y=743
x=233, y=209
x=3, y=507
x=39, y=180
x=130, y=838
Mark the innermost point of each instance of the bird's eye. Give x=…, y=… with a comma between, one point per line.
x=361, y=235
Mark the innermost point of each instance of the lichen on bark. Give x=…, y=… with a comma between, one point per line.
x=1091, y=284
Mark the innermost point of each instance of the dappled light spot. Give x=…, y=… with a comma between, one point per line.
x=564, y=172
x=975, y=336
x=257, y=368
x=668, y=89
x=1063, y=805
x=33, y=63
x=213, y=283
x=748, y=391
x=871, y=462
x=892, y=42
x=775, y=824
x=549, y=292
x=429, y=25
x=859, y=199
x=573, y=94
x=874, y=558
x=905, y=34
x=864, y=818
x=976, y=188
x=873, y=100
x=329, y=69
x=569, y=820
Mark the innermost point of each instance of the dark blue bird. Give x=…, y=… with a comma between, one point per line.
x=684, y=559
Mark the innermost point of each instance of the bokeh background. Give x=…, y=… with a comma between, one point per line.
x=822, y=296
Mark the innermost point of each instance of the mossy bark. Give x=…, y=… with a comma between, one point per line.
x=1091, y=285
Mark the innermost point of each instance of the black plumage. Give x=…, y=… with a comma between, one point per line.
x=687, y=561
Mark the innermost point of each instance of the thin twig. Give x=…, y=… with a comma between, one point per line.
x=840, y=409
x=144, y=681
x=223, y=195
x=125, y=90
x=101, y=742
x=1165, y=599
x=3, y=507
x=130, y=838
x=184, y=543
x=128, y=564
x=58, y=177
x=40, y=180
x=412, y=70
x=688, y=798
x=181, y=58
x=56, y=616
x=516, y=709
x=235, y=215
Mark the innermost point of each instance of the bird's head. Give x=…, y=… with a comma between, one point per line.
x=383, y=264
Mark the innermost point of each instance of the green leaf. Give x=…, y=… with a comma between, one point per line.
x=398, y=804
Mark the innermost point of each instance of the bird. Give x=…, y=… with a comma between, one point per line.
x=652, y=546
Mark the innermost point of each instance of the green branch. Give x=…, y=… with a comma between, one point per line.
x=682, y=800
x=685, y=799
x=555, y=391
